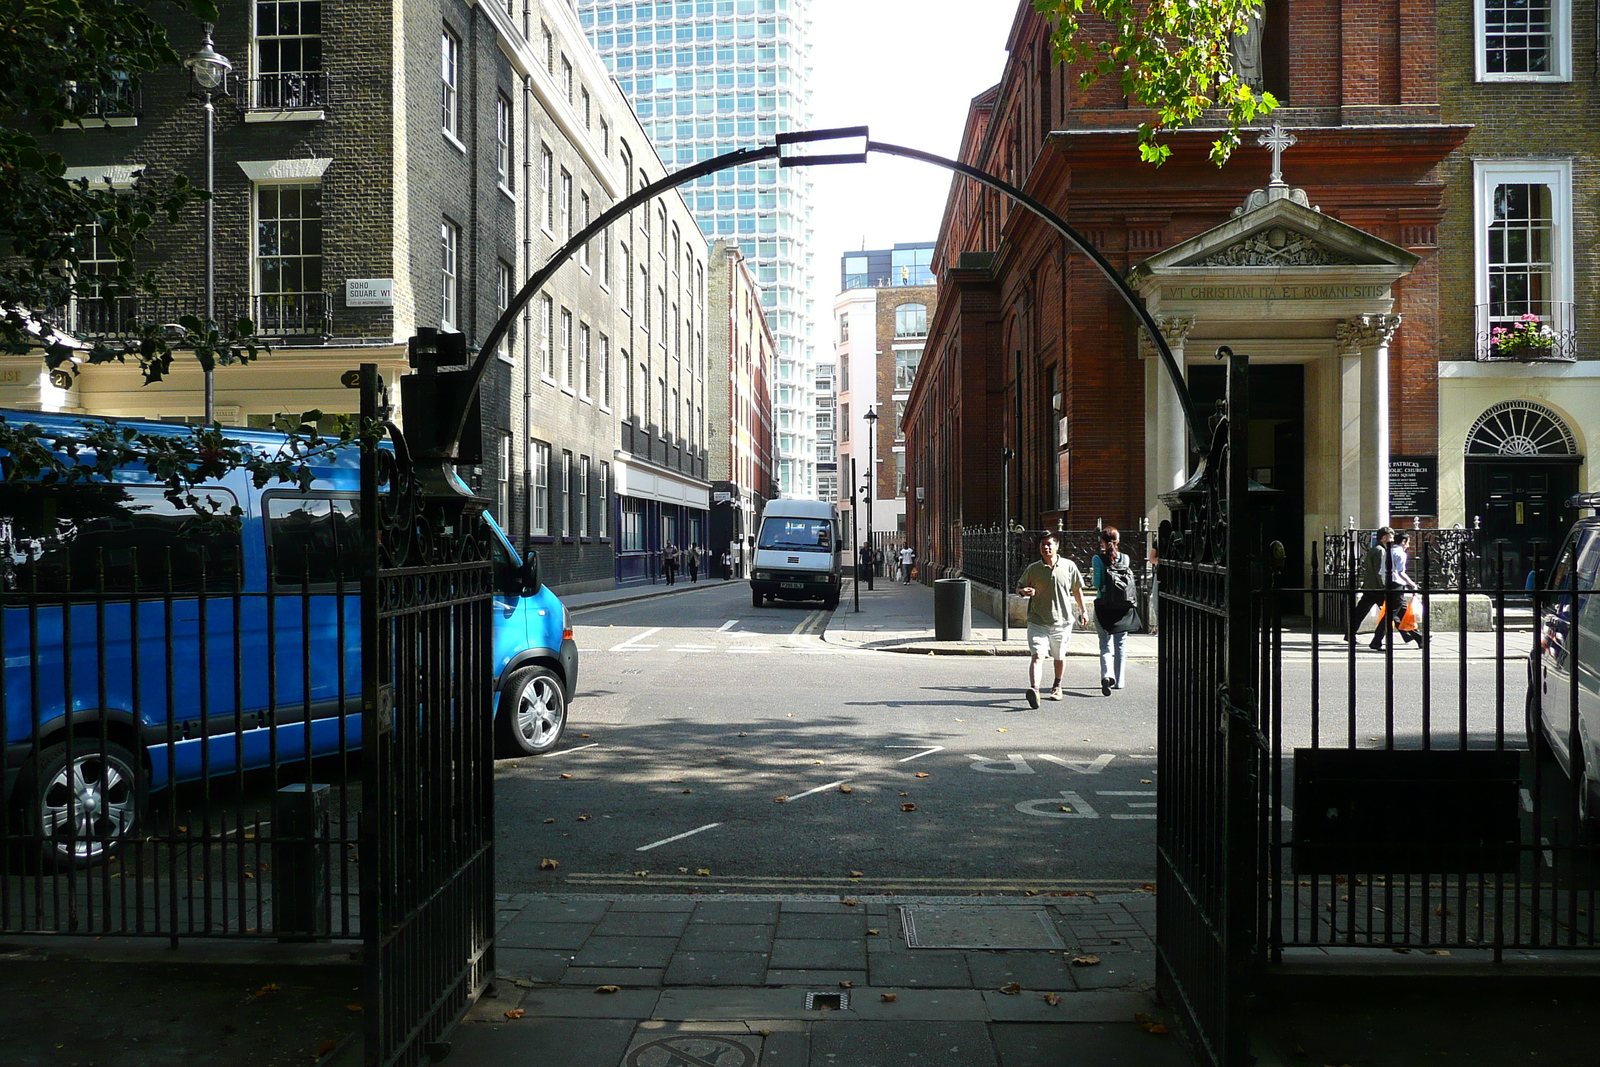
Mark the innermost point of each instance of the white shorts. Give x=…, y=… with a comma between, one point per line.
x=1051, y=640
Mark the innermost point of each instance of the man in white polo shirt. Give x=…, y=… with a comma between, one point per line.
x=1047, y=583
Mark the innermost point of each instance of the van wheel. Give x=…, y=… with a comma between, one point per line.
x=533, y=712
x=86, y=809
x=755, y=598
x=831, y=601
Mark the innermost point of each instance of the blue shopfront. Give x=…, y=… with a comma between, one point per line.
x=655, y=507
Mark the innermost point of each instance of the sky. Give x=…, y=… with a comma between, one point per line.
x=908, y=72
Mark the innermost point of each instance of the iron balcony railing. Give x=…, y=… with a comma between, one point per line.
x=288, y=91
x=123, y=102
x=1503, y=336
x=276, y=315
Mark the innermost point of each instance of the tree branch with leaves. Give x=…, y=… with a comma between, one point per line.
x=1174, y=57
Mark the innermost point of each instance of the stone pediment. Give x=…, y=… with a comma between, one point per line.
x=1280, y=233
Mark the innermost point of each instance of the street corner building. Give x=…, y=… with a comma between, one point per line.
x=385, y=167
x=1419, y=195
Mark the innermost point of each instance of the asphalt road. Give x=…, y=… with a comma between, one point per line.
x=697, y=712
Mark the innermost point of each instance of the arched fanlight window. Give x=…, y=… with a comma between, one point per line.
x=1520, y=428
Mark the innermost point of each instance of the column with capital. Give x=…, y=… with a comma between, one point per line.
x=1166, y=448
x=1363, y=343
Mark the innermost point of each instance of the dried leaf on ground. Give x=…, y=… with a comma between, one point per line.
x=1144, y=781
x=908, y=807
x=873, y=933
x=847, y=985
x=516, y=1013
x=1148, y=887
x=1085, y=961
x=922, y=774
x=743, y=734
x=1011, y=989
x=688, y=790
x=548, y=864
x=704, y=872
x=566, y=776
x=585, y=818
x=850, y=902
x=547, y=821
x=846, y=789
x=889, y=998
x=270, y=987
x=641, y=874
x=1002, y=729
x=322, y=1049
x=1052, y=999
x=354, y=1007
x=607, y=989
x=780, y=800
x=583, y=735
x=856, y=874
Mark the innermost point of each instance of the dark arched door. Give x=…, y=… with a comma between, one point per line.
x=1522, y=465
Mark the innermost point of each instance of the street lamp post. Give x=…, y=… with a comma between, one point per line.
x=208, y=72
x=872, y=474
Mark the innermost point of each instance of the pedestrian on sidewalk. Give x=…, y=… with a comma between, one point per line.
x=1114, y=611
x=1046, y=583
x=1372, y=565
x=727, y=565
x=669, y=563
x=1396, y=580
x=694, y=555
x=908, y=557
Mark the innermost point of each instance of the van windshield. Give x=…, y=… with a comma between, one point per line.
x=812, y=535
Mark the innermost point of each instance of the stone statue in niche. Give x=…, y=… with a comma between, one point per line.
x=1247, y=51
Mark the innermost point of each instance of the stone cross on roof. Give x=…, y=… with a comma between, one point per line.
x=1276, y=139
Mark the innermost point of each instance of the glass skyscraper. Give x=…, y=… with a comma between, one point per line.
x=708, y=77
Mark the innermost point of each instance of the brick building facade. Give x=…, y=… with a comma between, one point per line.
x=445, y=151
x=1328, y=274
x=742, y=349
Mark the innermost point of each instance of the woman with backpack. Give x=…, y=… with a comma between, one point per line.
x=1114, y=613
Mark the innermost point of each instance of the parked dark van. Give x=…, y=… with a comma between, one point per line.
x=144, y=647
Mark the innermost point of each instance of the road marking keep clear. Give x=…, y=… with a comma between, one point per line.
x=1070, y=805
x=1014, y=763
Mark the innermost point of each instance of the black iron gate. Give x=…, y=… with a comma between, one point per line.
x=427, y=835
x=1209, y=747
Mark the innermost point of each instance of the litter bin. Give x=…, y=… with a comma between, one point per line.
x=952, y=609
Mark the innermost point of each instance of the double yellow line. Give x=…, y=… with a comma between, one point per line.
x=814, y=623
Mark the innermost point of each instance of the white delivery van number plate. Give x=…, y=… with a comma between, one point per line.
x=791, y=585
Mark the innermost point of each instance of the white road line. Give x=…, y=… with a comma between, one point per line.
x=630, y=642
x=919, y=755
x=677, y=837
x=694, y=648
x=725, y=627
x=1132, y=792
x=563, y=752
x=818, y=789
x=763, y=651
x=590, y=650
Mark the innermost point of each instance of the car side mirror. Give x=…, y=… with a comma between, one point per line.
x=531, y=585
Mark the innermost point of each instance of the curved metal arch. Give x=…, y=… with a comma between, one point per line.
x=1198, y=431
x=1520, y=428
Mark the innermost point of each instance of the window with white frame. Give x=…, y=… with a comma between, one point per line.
x=585, y=365
x=547, y=163
x=566, y=348
x=587, y=108
x=288, y=257
x=449, y=281
x=502, y=295
x=583, y=224
x=1524, y=240
x=566, y=206
x=583, y=496
x=547, y=355
x=1524, y=40
x=450, y=75
x=539, y=498
x=605, y=257
x=566, y=77
x=503, y=485
x=502, y=136
x=605, y=371
x=911, y=320
x=288, y=49
x=603, y=526
x=569, y=470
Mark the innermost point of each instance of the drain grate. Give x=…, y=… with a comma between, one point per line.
x=827, y=1002
x=979, y=927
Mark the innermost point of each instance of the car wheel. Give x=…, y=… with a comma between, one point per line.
x=533, y=712
x=1538, y=743
x=85, y=809
x=831, y=601
x=755, y=598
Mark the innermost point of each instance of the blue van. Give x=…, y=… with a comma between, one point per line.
x=145, y=648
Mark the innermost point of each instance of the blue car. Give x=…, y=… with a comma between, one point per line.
x=145, y=648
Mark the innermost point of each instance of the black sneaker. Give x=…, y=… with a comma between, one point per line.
x=1105, y=686
x=1033, y=698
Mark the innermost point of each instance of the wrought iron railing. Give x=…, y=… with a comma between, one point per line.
x=984, y=548
x=1553, y=338
x=1451, y=557
x=275, y=315
x=289, y=91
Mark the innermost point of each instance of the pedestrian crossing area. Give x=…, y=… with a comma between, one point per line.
x=804, y=639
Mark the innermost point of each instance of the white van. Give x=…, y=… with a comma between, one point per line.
x=798, y=553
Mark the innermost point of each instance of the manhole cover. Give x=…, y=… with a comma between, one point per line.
x=982, y=927
x=692, y=1050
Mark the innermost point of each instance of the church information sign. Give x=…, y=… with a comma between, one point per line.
x=1414, y=485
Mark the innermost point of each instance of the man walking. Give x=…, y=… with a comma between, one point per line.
x=908, y=556
x=669, y=562
x=694, y=561
x=1046, y=583
x=1373, y=564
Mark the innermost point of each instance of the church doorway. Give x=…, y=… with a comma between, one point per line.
x=1277, y=451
